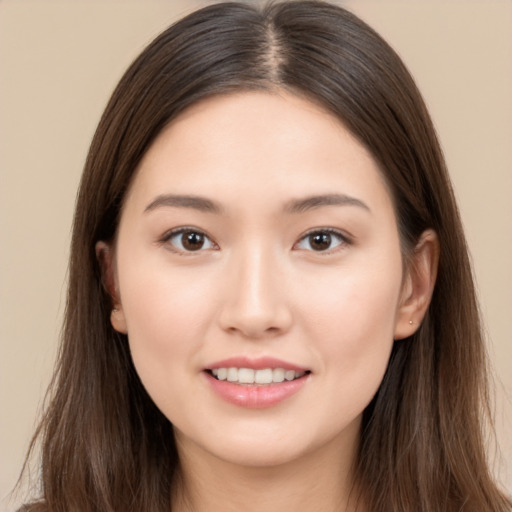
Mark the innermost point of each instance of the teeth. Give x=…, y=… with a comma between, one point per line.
x=246, y=376
x=263, y=376
x=289, y=375
x=232, y=374
x=250, y=376
x=278, y=375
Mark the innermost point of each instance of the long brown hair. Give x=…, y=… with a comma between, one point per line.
x=105, y=446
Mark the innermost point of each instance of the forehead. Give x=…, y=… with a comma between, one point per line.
x=250, y=143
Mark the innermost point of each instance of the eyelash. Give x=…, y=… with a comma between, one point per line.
x=167, y=239
x=343, y=240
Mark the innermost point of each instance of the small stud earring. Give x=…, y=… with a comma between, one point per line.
x=410, y=321
x=115, y=310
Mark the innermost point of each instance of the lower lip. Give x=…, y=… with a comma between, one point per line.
x=254, y=396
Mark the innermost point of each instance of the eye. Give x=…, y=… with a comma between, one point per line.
x=189, y=240
x=322, y=240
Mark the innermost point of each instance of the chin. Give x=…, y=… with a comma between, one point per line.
x=265, y=446
x=262, y=455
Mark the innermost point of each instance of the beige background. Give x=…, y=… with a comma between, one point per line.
x=59, y=61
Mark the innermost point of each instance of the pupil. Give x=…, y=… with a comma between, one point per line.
x=193, y=241
x=320, y=241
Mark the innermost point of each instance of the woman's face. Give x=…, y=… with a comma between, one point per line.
x=258, y=241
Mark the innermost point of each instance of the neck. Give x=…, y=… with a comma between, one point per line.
x=321, y=480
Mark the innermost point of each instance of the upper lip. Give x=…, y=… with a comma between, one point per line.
x=255, y=363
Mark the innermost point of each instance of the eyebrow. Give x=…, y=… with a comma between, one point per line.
x=184, y=201
x=294, y=206
x=312, y=202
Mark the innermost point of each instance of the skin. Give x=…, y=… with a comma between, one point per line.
x=258, y=287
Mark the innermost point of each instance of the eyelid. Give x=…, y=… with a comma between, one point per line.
x=168, y=235
x=345, y=239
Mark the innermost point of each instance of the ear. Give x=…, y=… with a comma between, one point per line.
x=106, y=259
x=418, y=285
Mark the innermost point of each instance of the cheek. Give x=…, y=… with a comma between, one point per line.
x=352, y=302
x=352, y=319
x=355, y=326
x=167, y=316
x=167, y=313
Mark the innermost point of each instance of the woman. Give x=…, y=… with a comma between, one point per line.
x=270, y=300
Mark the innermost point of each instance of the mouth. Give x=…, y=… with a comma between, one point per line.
x=261, y=377
x=256, y=383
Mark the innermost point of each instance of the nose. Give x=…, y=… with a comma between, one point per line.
x=255, y=302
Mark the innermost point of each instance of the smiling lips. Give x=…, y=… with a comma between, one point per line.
x=255, y=384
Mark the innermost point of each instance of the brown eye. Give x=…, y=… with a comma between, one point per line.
x=322, y=240
x=192, y=241
x=189, y=240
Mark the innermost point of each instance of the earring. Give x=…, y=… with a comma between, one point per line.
x=115, y=310
x=410, y=321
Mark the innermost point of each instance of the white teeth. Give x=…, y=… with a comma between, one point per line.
x=250, y=376
x=232, y=374
x=289, y=375
x=278, y=375
x=263, y=376
x=246, y=376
